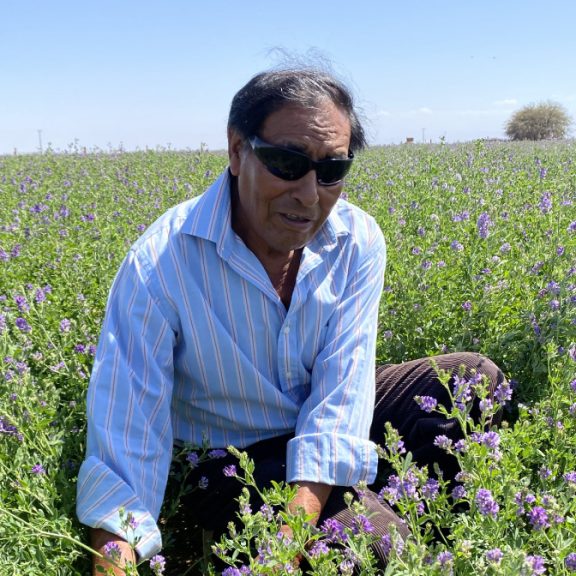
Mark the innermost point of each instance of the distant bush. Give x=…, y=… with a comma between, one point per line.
x=544, y=121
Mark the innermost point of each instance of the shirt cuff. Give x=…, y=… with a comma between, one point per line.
x=100, y=495
x=337, y=460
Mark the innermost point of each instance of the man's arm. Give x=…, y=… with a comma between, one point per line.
x=331, y=443
x=99, y=538
x=129, y=440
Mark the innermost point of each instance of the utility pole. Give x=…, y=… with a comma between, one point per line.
x=40, y=140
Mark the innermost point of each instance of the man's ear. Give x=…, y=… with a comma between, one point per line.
x=235, y=149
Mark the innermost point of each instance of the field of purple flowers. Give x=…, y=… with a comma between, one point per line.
x=481, y=256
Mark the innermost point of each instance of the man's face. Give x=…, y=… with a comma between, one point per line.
x=275, y=216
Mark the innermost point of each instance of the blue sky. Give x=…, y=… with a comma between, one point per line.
x=161, y=73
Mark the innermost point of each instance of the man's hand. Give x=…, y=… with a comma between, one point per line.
x=99, y=539
x=311, y=497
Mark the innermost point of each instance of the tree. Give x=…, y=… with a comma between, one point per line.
x=544, y=121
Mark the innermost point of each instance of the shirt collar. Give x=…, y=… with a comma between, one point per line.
x=211, y=219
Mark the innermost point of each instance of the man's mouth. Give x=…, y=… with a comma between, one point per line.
x=295, y=217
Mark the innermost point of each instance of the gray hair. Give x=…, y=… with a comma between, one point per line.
x=268, y=92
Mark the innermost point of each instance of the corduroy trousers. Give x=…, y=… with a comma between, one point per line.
x=396, y=387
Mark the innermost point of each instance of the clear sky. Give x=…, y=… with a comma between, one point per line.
x=162, y=73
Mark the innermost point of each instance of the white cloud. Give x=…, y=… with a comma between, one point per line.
x=424, y=110
x=380, y=113
x=506, y=102
x=490, y=112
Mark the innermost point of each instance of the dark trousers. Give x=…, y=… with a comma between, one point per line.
x=396, y=386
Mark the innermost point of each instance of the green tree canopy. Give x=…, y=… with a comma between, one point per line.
x=544, y=121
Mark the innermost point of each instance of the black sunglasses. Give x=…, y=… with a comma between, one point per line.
x=289, y=164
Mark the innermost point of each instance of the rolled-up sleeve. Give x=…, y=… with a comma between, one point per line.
x=129, y=443
x=331, y=443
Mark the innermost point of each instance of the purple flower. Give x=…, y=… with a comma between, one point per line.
x=570, y=562
x=459, y=493
x=217, y=454
x=192, y=458
x=267, y=511
x=483, y=224
x=461, y=446
x=319, y=549
x=9, y=429
x=230, y=471
x=545, y=473
x=486, y=503
x=443, y=442
x=494, y=556
x=572, y=226
x=573, y=385
x=535, y=564
x=445, y=559
x=131, y=521
x=112, y=551
x=430, y=489
x=462, y=216
x=467, y=306
x=538, y=518
x=488, y=439
x=545, y=203
x=157, y=564
x=22, y=303
x=570, y=477
x=38, y=469
x=427, y=403
x=456, y=246
x=503, y=392
x=334, y=530
x=65, y=325
x=486, y=405
x=462, y=392
x=22, y=325
x=505, y=248
x=346, y=568
x=40, y=295
x=361, y=524
x=203, y=483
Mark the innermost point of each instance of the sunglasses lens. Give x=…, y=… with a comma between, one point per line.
x=332, y=171
x=283, y=163
x=291, y=165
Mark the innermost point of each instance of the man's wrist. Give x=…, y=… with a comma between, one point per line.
x=115, y=552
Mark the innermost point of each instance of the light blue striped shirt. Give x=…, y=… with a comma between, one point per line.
x=196, y=343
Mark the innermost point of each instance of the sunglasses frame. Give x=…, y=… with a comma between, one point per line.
x=257, y=145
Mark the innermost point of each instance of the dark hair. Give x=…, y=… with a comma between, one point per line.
x=268, y=92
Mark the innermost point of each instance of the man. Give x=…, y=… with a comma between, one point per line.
x=248, y=316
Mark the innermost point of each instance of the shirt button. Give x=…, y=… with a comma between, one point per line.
x=288, y=374
x=286, y=329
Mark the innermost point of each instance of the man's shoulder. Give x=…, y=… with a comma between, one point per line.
x=168, y=225
x=188, y=217
x=354, y=221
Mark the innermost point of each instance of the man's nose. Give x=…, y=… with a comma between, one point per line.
x=306, y=189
